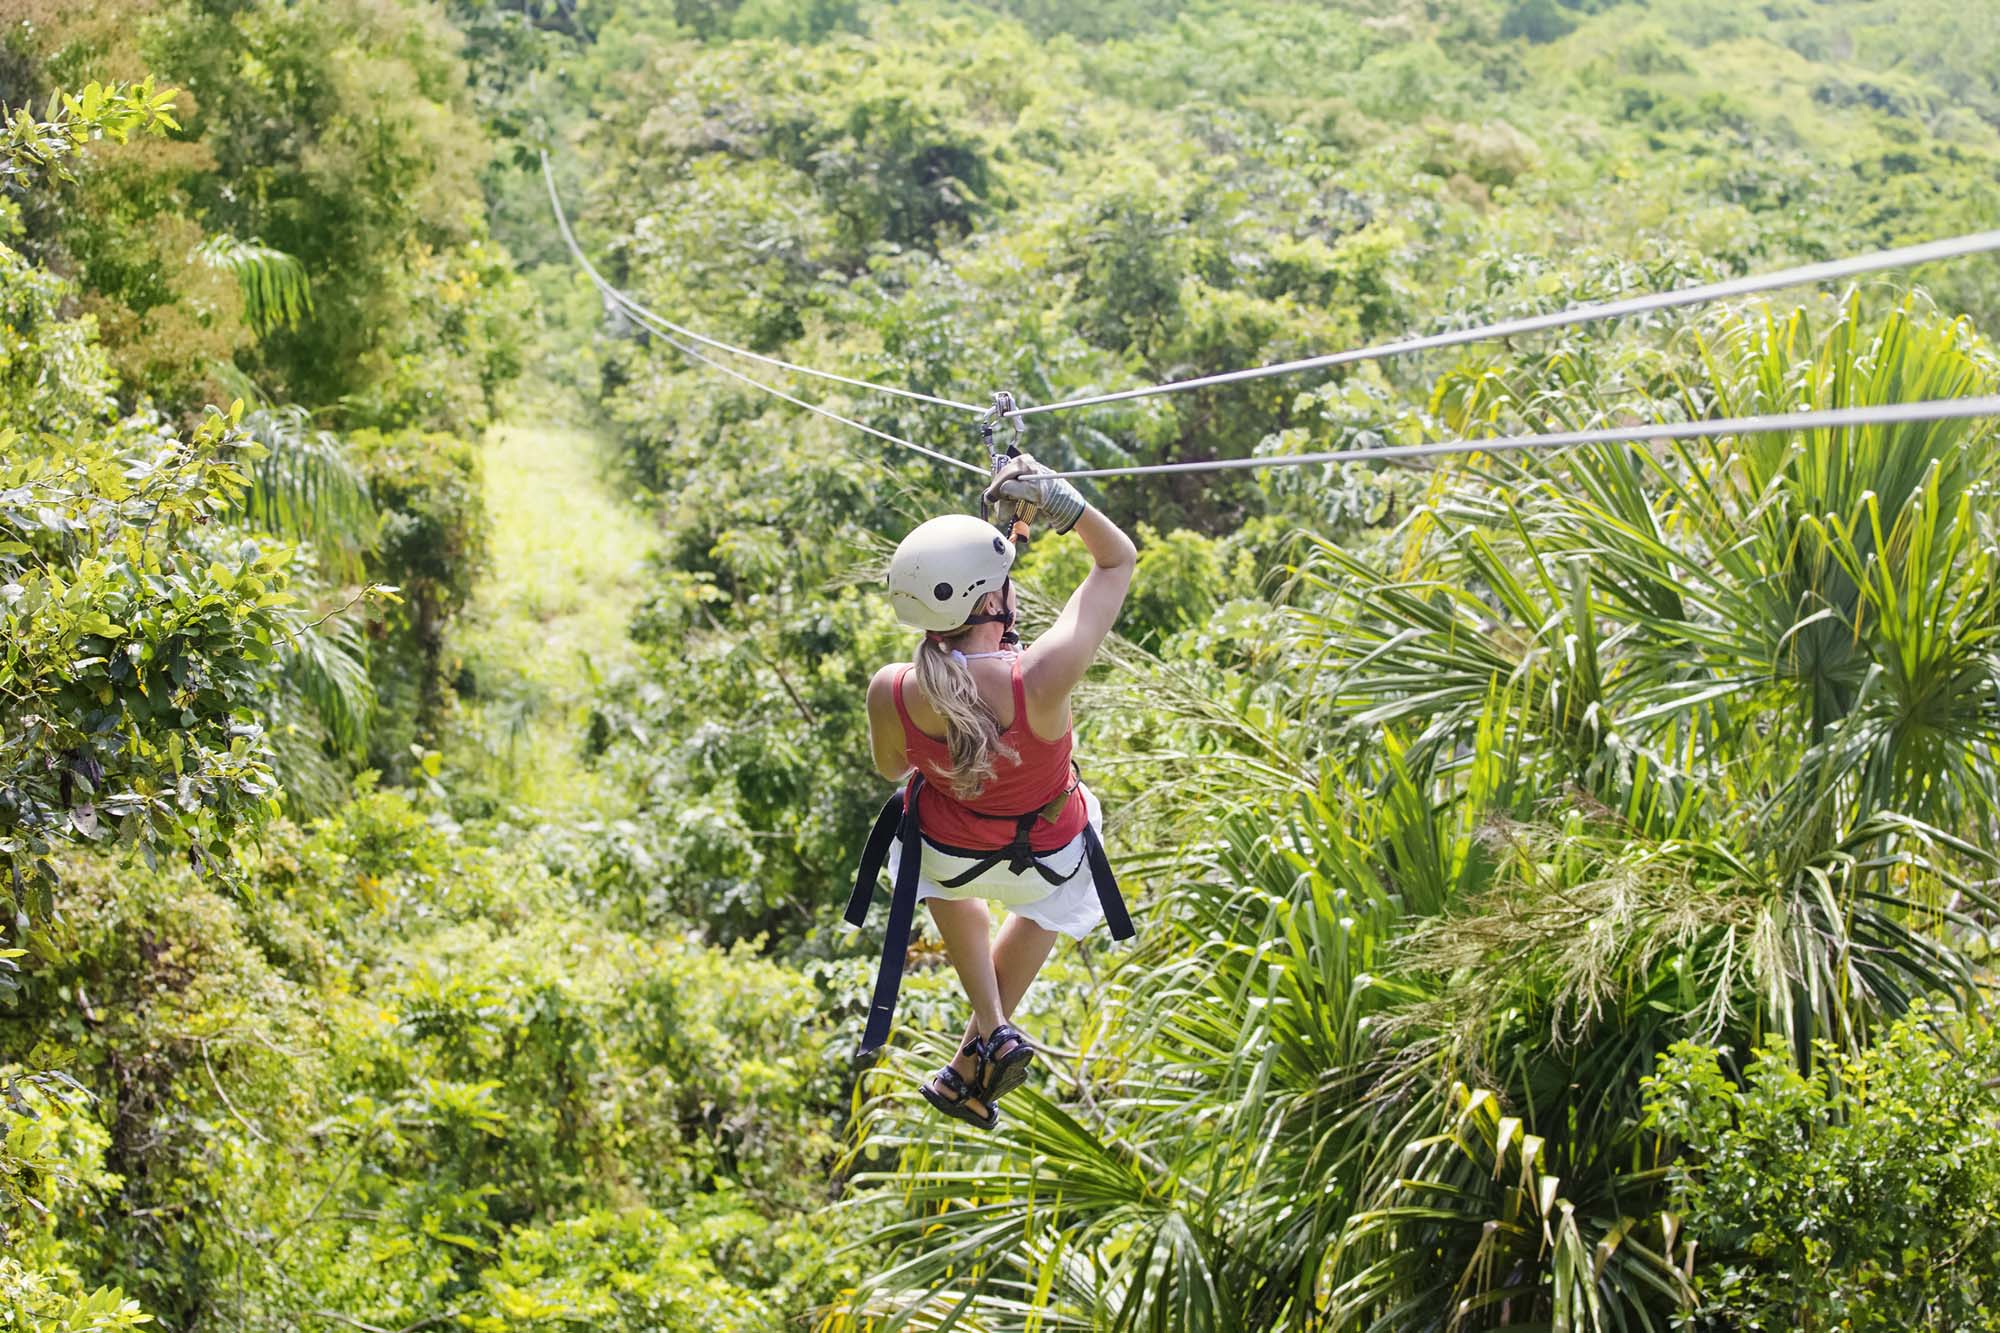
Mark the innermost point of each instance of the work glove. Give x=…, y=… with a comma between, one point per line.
x=1031, y=485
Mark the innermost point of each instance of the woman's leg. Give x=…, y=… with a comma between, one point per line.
x=1018, y=954
x=967, y=929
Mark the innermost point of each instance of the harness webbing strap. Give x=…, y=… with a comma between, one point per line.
x=873, y=854
x=902, y=908
x=1108, y=896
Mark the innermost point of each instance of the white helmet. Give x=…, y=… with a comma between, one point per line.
x=944, y=567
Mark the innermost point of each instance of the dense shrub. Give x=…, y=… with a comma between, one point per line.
x=1858, y=1195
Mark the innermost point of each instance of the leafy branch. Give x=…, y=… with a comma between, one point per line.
x=32, y=148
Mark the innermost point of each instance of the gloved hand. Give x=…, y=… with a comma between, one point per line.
x=1028, y=482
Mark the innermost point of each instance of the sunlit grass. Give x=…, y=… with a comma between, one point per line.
x=547, y=621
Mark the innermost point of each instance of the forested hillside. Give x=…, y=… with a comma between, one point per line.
x=432, y=737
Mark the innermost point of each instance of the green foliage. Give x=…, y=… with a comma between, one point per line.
x=52, y=1166
x=275, y=287
x=1859, y=1195
x=32, y=148
x=53, y=374
x=161, y=673
x=1538, y=21
x=135, y=649
x=314, y=218
x=429, y=543
x=628, y=1273
x=35, y=1305
x=432, y=539
x=406, y=1075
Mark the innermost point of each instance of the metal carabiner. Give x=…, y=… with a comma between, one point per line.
x=1006, y=512
x=1003, y=409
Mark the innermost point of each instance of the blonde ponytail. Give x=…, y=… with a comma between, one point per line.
x=972, y=733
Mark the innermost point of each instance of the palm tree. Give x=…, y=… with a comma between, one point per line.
x=1608, y=748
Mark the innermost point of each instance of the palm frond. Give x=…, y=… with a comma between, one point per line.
x=305, y=488
x=277, y=293
x=326, y=665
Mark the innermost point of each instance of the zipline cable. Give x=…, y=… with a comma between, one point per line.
x=562, y=220
x=659, y=327
x=1888, y=414
x=828, y=413
x=1953, y=248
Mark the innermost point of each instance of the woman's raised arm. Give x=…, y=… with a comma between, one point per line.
x=1058, y=659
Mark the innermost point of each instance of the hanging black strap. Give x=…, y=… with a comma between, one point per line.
x=1108, y=896
x=873, y=854
x=902, y=908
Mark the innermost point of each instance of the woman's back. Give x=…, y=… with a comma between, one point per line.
x=1033, y=777
x=978, y=688
x=1048, y=712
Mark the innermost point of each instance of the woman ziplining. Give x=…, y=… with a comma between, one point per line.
x=994, y=809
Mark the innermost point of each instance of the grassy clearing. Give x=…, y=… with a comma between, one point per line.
x=548, y=621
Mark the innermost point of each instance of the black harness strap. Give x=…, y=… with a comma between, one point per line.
x=902, y=908
x=1108, y=897
x=897, y=822
x=873, y=854
x=1019, y=856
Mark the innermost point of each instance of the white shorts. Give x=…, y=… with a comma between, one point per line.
x=1070, y=908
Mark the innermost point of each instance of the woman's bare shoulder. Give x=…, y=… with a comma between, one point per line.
x=1048, y=709
x=882, y=686
x=1035, y=677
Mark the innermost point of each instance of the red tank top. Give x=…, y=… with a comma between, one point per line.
x=1040, y=773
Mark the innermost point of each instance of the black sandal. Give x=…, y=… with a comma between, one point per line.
x=956, y=1106
x=1003, y=1072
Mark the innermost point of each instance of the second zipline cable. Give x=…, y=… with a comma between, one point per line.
x=1956, y=247
x=1885, y=414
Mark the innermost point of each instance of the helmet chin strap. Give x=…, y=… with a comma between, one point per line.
x=1003, y=618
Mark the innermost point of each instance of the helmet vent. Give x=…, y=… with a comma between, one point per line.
x=942, y=592
x=999, y=547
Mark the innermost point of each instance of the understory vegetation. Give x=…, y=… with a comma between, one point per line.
x=431, y=728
